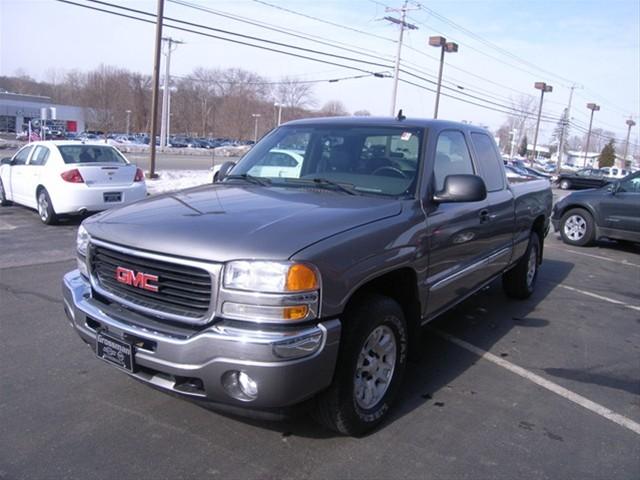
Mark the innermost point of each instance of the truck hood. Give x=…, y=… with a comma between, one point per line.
x=227, y=222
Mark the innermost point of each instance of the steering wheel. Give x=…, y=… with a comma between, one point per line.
x=388, y=168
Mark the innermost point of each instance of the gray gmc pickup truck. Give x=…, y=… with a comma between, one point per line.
x=304, y=273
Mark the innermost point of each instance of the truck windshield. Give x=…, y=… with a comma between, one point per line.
x=376, y=160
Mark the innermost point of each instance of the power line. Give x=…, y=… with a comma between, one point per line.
x=345, y=27
x=510, y=110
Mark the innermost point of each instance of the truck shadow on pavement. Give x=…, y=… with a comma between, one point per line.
x=483, y=320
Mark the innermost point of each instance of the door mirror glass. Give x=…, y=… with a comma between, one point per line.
x=461, y=188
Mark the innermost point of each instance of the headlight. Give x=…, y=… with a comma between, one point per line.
x=82, y=241
x=270, y=277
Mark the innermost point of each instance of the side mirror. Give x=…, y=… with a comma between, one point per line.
x=5, y=161
x=461, y=188
x=613, y=187
x=224, y=170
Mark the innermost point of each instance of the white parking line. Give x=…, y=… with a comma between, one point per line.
x=600, y=297
x=4, y=225
x=552, y=387
x=599, y=257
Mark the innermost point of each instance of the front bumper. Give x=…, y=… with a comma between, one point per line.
x=288, y=365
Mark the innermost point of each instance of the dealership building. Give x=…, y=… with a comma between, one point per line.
x=16, y=110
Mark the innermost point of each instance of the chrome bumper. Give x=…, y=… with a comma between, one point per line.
x=288, y=365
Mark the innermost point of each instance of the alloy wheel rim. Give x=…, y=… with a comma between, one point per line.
x=532, y=266
x=375, y=367
x=43, y=207
x=575, y=227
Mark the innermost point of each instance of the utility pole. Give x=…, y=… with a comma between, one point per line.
x=630, y=123
x=171, y=45
x=156, y=83
x=565, y=122
x=403, y=25
x=543, y=87
x=513, y=132
x=594, y=108
x=128, y=112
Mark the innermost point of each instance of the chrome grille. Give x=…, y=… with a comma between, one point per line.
x=184, y=290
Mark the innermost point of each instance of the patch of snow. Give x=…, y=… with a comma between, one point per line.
x=172, y=180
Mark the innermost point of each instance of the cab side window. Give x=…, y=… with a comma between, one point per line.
x=490, y=163
x=40, y=156
x=22, y=156
x=631, y=185
x=452, y=157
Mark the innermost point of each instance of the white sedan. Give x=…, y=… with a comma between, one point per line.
x=276, y=163
x=62, y=177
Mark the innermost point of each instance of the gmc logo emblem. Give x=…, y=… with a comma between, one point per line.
x=138, y=280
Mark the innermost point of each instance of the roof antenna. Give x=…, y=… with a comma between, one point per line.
x=400, y=115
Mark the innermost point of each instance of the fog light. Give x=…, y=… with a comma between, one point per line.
x=240, y=386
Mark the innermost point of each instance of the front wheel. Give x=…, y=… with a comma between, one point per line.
x=370, y=366
x=577, y=227
x=520, y=281
x=45, y=208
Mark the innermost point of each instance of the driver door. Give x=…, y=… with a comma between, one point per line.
x=621, y=210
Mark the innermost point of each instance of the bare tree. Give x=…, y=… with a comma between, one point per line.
x=293, y=93
x=334, y=108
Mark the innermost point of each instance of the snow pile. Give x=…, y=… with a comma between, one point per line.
x=232, y=151
x=172, y=180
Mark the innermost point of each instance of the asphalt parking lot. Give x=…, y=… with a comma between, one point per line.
x=545, y=388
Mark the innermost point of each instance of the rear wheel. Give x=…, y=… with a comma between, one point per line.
x=3, y=196
x=577, y=227
x=45, y=208
x=370, y=366
x=520, y=281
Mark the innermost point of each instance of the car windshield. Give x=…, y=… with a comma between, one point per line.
x=90, y=154
x=375, y=160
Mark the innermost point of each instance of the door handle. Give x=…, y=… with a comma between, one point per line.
x=485, y=216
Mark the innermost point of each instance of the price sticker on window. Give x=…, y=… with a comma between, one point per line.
x=405, y=136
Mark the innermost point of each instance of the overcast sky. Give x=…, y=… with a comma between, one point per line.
x=593, y=43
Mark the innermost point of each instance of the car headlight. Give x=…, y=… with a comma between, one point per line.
x=270, y=277
x=270, y=292
x=82, y=241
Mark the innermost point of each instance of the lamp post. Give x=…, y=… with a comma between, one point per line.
x=594, y=108
x=256, y=116
x=128, y=112
x=543, y=87
x=630, y=123
x=279, y=107
x=449, y=47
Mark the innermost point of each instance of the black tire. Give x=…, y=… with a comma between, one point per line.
x=565, y=184
x=577, y=227
x=520, y=281
x=45, y=209
x=338, y=408
x=3, y=196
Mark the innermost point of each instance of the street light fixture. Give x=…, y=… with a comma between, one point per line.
x=630, y=123
x=594, y=108
x=449, y=47
x=256, y=116
x=543, y=87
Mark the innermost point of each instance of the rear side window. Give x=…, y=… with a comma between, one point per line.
x=90, y=154
x=489, y=160
x=40, y=156
x=452, y=157
x=22, y=156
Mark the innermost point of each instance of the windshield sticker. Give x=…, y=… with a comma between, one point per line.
x=405, y=136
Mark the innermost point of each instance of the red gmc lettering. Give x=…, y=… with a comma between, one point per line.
x=138, y=280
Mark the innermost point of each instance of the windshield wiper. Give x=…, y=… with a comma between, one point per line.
x=323, y=182
x=249, y=178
